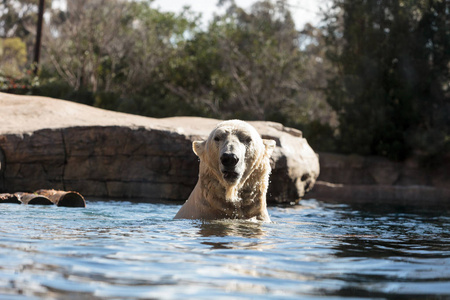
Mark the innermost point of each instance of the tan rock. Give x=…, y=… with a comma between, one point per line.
x=56, y=144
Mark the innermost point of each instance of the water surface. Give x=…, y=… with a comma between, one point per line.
x=124, y=250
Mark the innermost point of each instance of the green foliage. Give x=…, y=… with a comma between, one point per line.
x=136, y=59
x=391, y=90
x=18, y=16
x=13, y=57
x=23, y=85
x=244, y=66
x=14, y=76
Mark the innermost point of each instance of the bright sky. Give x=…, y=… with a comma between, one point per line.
x=303, y=11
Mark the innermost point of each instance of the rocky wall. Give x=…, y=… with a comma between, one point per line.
x=353, y=178
x=138, y=162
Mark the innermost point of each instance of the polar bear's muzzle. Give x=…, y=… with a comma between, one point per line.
x=229, y=166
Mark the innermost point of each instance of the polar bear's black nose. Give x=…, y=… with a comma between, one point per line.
x=229, y=159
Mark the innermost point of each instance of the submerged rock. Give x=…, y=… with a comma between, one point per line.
x=55, y=144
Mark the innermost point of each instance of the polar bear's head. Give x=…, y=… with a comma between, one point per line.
x=232, y=151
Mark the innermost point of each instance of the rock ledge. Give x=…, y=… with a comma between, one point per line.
x=55, y=144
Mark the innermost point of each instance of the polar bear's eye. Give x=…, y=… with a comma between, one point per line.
x=216, y=138
x=245, y=139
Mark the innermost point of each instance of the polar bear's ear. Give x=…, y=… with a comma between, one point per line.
x=198, y=147
x=270, y=146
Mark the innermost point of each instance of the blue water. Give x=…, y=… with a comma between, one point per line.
x=123, y=250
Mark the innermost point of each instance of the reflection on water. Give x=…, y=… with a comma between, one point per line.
x=116, y=250
x=250, y=233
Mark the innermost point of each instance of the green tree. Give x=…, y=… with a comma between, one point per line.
x=113, y=50
x=246, y=65
x=13, y=57
x=391, y=88
x=18, y=18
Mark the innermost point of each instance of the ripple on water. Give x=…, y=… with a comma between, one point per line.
x=130, y=250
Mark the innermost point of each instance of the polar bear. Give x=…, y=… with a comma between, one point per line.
x=233, y=175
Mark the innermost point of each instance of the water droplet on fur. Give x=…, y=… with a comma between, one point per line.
x=235, y=212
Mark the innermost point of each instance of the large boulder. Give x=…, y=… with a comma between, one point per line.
x=54, y=144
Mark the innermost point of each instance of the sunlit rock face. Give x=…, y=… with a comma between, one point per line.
x=54, y=144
